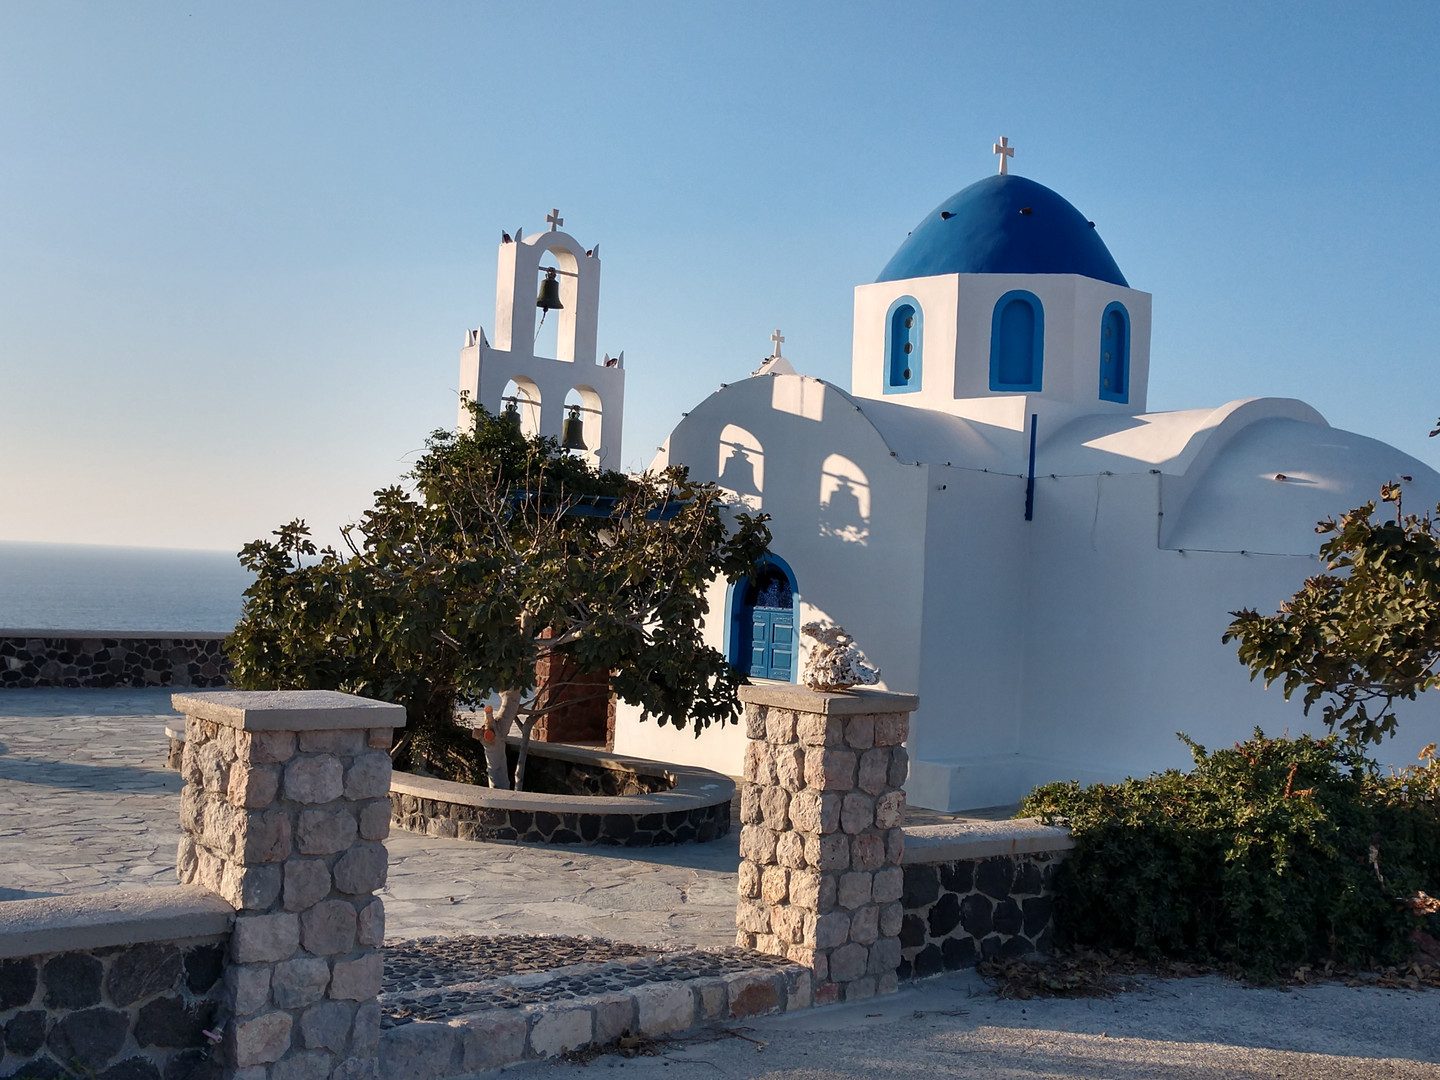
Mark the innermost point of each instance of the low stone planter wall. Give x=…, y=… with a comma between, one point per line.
x=977, y=891
x=694, y=809
x=113, y=984
x=102, y=659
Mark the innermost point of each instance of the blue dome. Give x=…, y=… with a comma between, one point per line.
x=1004, y=225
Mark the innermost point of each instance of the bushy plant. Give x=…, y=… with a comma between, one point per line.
x=1272, y=854
x=1363, y=635
x=503, y=552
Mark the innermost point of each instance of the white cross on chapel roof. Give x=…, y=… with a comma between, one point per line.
x=1006, y=151
x=779, y=339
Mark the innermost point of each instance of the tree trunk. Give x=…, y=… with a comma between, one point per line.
x=499, y=725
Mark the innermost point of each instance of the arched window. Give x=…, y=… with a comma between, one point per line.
x=902, y=346
x=1115, y=354
x=1017, y=342
x=520, y=402
x=762, y=622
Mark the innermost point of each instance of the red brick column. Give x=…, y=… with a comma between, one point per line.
x=285, y=807
x=820, y=839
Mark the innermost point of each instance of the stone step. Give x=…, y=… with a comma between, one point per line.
x=454, y=1007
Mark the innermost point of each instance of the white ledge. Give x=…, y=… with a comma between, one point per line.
x=692, y=788
x=289, y=710
x=56, y=924
x=854, y=702
x=927, y=844
x=116, y=635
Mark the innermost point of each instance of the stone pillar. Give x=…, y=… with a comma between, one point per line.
x=285, y=807
x=820, y=839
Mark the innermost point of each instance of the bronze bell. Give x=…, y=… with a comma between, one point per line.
x=511, y=415
x=573, y=437
x=549, y=298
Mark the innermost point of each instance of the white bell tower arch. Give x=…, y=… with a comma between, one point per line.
x=486, y=368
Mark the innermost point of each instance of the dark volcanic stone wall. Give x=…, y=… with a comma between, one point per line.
x=959, y=913
x=135, y=1012
x=75, y=660
x=435, y=817
x=557, y=776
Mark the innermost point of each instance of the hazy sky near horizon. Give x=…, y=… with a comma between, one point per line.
x=240, y=244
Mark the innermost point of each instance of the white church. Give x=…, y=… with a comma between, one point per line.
x=989, y=508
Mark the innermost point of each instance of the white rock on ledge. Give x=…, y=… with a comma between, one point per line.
x=835, y=663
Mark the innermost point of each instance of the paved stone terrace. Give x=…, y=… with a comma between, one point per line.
x=87, y=805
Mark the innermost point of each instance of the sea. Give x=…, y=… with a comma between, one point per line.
x=96, y=587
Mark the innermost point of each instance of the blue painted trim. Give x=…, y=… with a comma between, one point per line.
x=894, y=379
x=1030, y=476
x=1037, y=347
x=1122, y=394
x=734, y=606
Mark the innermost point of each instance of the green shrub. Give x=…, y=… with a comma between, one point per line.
x=1272, y=854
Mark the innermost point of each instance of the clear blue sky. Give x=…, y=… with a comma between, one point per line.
x=240, y=243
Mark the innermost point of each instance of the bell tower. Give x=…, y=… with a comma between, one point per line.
x=546, y=391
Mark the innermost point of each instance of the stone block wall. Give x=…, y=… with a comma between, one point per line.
x=961, y=912
x=120, y=985
x=285, y=807
x=820, y=841
x=96, y=660
x=134, y=1011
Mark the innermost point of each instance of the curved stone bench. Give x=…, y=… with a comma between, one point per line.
x=695, y=808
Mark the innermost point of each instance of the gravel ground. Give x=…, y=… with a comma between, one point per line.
x=1206, y=1028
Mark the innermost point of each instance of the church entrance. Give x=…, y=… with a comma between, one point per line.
x=763, y=624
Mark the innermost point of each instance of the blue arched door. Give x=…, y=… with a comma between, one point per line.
x=764, y=622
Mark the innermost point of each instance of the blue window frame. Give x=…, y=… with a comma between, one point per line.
x=903, y=326
x=1017, y=342
x=763, y=622
x=1115, y=354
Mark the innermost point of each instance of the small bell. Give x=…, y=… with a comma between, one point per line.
x=549, y=298
x=511, y=415
x=573, y=437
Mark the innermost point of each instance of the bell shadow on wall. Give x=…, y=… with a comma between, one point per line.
x=844, y=501
x=739, y=473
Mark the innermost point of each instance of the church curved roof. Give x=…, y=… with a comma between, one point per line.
x=1004, y=225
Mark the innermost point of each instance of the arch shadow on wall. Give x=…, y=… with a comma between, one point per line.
x=741, y=465
x=762, y=615
x=844, y=500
